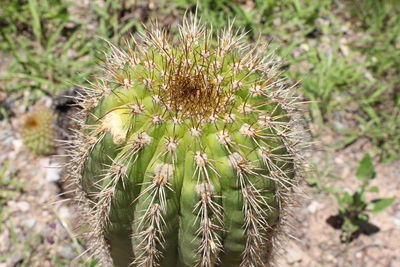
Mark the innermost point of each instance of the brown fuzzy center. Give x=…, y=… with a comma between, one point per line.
x=31, y=122
x=193, y=95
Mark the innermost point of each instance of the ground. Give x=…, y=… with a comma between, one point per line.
x=316, y=243
x=39, y=222
x=344, y=55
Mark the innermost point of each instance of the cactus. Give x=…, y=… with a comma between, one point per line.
x=38, y=132
x=186, y=153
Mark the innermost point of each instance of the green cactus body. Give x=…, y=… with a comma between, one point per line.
x=186, y=153
x=37, y=131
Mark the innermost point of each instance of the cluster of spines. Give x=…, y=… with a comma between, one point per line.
x=194, y=116
x=38, y=130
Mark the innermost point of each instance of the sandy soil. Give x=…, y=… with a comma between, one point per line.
x=38, y=224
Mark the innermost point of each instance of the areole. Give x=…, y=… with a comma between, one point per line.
x=186, y=154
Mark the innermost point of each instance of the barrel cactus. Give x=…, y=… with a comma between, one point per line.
x=37, y=130
x=186, y=152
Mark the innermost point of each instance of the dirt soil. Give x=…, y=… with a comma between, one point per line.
x=38, y=223
x=316, y=243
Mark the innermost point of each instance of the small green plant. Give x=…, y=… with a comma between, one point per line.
x=38, y=131
x=354, y=209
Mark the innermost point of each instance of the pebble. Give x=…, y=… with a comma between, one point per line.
x=369, y=76
x=294, y=254
x=64, y=213
x=53, y=173
x=66, y=252
x=345, y=50
x=5, y=242
x=3, y=96
x=29, y=223
x=277, y=21
x=305, y=47
x=15, y=259
x=17, y=143
x=23, y=206
x=314, y=206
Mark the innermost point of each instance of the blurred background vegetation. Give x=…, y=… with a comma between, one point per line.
x=345, y=54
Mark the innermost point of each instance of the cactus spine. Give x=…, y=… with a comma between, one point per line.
x=186, y=152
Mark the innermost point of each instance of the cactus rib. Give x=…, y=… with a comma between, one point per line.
x=187, y=152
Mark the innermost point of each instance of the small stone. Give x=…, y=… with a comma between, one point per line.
x=277, y=21
x=313, y=207
x=312, y=42
x=66, y=252
x=29, y=223
x=23, y=206
x=330, y=257
x=369, y=76
x=294, y=254
x=43, y=162
x=17, y=143
x=345, y=50
x=3, y=96
x=64, y=213
x=305, y=47
x=15, y=259
x=5, y=242
x=53, y=173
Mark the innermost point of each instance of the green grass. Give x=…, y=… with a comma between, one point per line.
x=46, y=52
x=345, y=53
x=50, y=48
